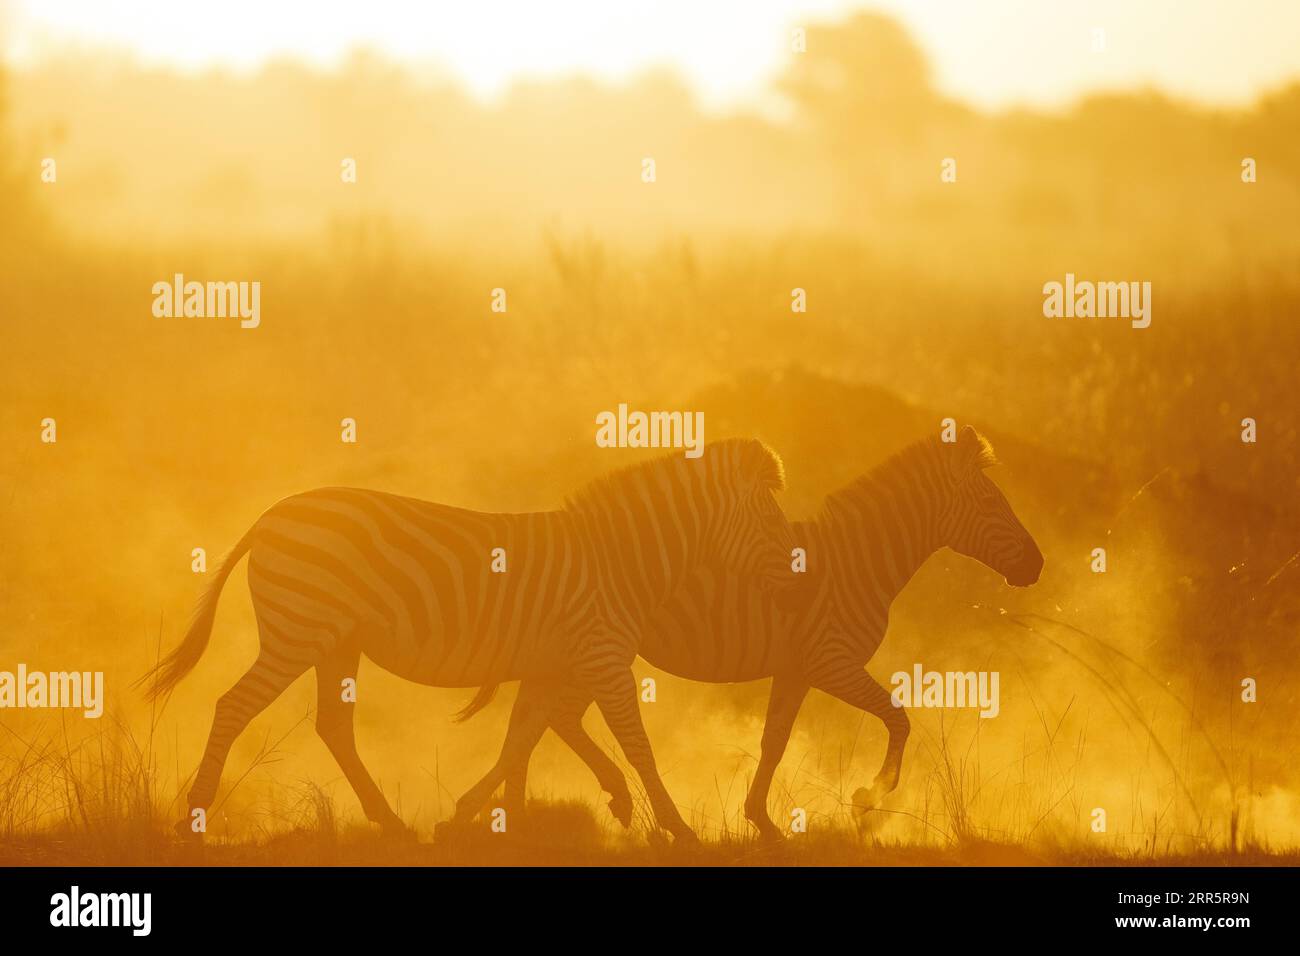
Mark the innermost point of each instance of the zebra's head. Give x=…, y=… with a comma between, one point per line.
x=751, y=535
x=976, y=519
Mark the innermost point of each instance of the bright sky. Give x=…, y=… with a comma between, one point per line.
x=992, y=52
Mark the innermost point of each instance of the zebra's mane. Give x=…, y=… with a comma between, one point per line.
x=749, y=458
x=897, y=467
x=985, y=457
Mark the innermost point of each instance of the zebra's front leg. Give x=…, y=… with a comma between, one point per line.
x=852, y=684
x=567, y=724
x=783, y=706
x=614, y=688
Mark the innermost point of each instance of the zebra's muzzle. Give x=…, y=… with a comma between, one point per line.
x=1028, y=570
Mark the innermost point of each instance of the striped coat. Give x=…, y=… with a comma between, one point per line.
x=340, y=572
x=868, y=541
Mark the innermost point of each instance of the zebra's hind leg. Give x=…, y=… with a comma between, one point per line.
x=532, y=693
x=528, y=722
x=853, y=685
x=783, y=705
x=334, y=724
x=261, y=684
x=566, y=710
x=516, y=799
x=615, y=691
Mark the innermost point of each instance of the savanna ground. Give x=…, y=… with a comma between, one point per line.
x=110, y=814
x=1119, y=690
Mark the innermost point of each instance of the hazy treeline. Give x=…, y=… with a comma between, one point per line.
x=857, y=146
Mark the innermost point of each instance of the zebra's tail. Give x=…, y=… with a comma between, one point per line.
x=169, y=671
x=481, y=700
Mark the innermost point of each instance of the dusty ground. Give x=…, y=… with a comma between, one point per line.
x=568, y=834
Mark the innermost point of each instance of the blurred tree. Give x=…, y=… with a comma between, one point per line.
x=863, y=88
x=1274, y=127
x=14, y=199
x=866, y=69
x=20, y=217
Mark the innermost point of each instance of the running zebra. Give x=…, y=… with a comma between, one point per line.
x=866, y=544
x=340, y=572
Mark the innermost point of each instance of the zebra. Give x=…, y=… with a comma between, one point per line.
x=335, y=573
x=864, y=546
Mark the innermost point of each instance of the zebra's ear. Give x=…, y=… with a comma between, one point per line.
x=971, y=452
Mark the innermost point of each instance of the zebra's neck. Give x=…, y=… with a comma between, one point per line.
x=880, y=529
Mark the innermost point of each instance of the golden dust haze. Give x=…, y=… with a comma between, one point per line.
x=1120, y=690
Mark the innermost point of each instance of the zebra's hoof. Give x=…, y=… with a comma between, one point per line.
x=621, y=807
x=865, y=800
x=450, y=833
x=184, y=830
x=768, y=832
x=686, y=840
x=398, y=832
